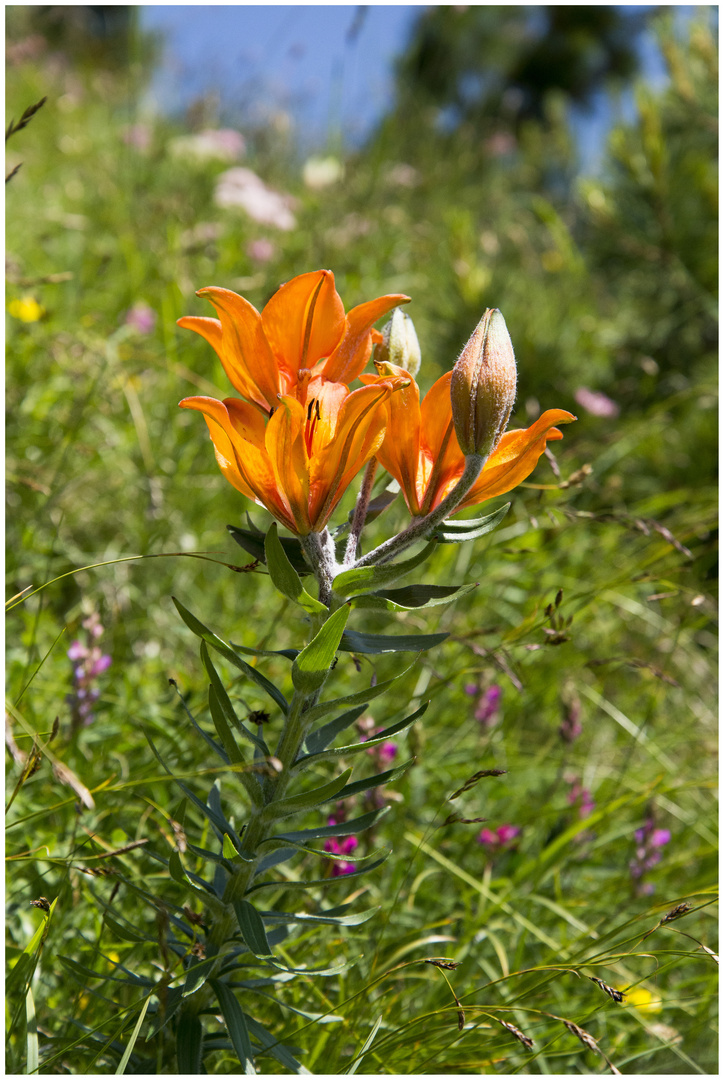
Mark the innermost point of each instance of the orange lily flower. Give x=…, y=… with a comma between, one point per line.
x=301, y=335
x=299, y=463
x=421, y=450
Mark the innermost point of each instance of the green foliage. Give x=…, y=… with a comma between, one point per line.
x=593, y=613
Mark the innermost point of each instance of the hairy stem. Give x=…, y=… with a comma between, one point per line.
x=320, y=553
x=360, y=512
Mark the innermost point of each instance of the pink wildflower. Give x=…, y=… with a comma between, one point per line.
x=500, y=839
x=596, y=403
x=141, y=318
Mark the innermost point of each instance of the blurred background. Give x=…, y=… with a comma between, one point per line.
x=557, y=162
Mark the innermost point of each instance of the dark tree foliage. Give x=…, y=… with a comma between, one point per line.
x=478, y=60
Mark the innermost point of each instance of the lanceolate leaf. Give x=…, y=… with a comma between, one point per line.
x=307, y=800
x=275, y=1048
x=368, y=578
x=354, y=642
x=457, y=532
x=362, y=696
x=325, y=917
x=357, y=748
x=412, y=597
x=205, y=634
x=322, y=737
x=236, y=1025
x=284, y=576
x=374, y=781
x=189, y=1039
x=252, y=541
x=197, y=974
x=318, y=881
x=344, y=828
x=311, y=667
x=252, y=929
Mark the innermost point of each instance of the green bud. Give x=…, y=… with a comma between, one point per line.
x=400, y=345
x=482, y=388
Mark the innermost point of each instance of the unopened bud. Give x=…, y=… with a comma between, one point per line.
x=482, y=388
x=399, y=343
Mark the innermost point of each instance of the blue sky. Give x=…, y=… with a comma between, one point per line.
x=325, y=65
x=328, y=67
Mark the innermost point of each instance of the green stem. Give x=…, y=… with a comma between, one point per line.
x=224, y=925
x=421, y=526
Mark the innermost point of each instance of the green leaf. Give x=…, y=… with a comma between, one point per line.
x=205, y=634
x=179, y=873
x=344, y=828
x=175, y=868
x=319, y=881
x=368, y=578
x=31, y=1033
x=412, y=597
x=18, y=980
x=322, y=737
x=328, y=917
x=307, y=800
x=197, y=974
x=252, y=541
x=125, y=933
x=360, y=747
x=311, y=667
x=252, y=929
x=353, y=1066
x=189, y=1041
x=236, y=1025
x=284, y=576
x=275, y=1048
x=324, y=708
x=457, y=532
x=375, y=781
x=354, y=642
x=289, y=654
x=217, y=819
x=132, y=1041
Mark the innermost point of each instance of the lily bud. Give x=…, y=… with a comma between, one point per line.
x=399, y=343
x=482, y=388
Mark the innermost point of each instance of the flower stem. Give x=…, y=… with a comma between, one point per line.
x=420, y=527
x=319, y=551
x=224, y=925
x=360, y=512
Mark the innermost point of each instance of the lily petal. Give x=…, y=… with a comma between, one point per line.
x=304, y=321
x=247, y=358
x=353, y=351
x=399, y=453
x=284, y=443
x=516, y=456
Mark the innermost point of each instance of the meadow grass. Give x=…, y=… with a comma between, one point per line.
x=593, y=614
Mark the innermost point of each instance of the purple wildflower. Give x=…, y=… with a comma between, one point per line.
x=488, y=704
x=88, y=663
x=333, y=845
x=581, y=797
x=649, y=842
x=500, y=839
